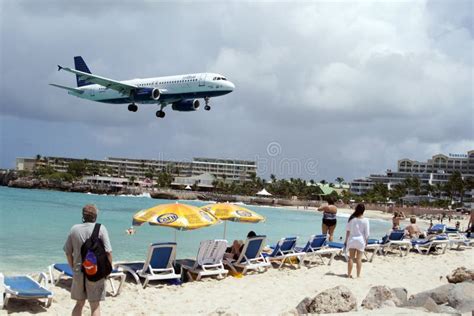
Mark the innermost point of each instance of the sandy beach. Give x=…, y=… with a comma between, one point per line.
x=273, y=292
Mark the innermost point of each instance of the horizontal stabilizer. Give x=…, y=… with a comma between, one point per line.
x=67, y=88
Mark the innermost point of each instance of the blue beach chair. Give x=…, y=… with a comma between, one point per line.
x=24, y=287
x=432, y=243
x=157, y=266
x=284, y=252
x=64, y=271
x=396, y=239
x=315, y=248
x=251, y=257
x=437, y=229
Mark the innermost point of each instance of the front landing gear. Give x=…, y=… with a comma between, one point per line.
x=132, y=107
x=207, y=107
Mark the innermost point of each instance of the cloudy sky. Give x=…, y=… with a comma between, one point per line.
x=323, y=89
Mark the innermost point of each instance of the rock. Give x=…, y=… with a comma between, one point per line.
x=302, y=307
x=401, y=294
x=335, y=300
x=460, y=274
x=444, y=309
x=461, y=297
x=422, y=300
x=439, y=294
x=379, y=297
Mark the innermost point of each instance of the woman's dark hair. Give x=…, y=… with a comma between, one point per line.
x=251, y=234
x=359, y=211
x=330, y=200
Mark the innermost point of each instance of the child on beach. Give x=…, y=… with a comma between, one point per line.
x=357, y=234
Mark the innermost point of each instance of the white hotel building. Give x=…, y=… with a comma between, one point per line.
x=229, y=170
x=433, y=171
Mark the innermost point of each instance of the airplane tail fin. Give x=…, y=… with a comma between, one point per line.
x=80, y=65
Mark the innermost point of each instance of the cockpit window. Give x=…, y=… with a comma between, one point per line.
x=219, y=78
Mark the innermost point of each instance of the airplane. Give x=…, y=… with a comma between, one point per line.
x=181, y=91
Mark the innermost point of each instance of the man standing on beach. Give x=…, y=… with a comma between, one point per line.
x=94, y=292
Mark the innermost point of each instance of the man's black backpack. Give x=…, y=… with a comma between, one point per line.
x=95, y=264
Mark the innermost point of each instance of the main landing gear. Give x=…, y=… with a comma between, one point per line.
x=160, y=113
x=132, y=107
x=207, y=107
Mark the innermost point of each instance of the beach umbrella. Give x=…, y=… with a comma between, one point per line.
x=233, y=212
x=175, y=215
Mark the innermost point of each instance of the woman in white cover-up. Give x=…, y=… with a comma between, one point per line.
x=357, y=234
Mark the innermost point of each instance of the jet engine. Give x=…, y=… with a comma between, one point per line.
x=186, y=105
x=147, y=94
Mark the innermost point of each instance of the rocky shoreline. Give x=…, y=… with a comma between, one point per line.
x=456, y=298
x=12, y=179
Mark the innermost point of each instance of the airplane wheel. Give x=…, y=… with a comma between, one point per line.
x=160, y=114
x=207, y=108
x=132, y=107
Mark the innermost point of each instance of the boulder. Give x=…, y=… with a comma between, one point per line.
x=302, y=307
x=401, y=294
x=423, y=300
x=461, y=274
x=439, y=294
x=335, y=300
x=461, y=297
x=379, y=297
x=444, y=309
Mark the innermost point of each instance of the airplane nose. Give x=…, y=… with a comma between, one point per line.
x=231, y=86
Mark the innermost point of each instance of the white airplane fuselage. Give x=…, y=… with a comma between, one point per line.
x=172, y=88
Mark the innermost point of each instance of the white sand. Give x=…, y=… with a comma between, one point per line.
x=273, y=292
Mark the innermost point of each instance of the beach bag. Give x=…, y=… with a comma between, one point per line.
x=95, y=264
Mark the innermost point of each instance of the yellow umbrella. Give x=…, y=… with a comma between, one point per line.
x=175, y=215
x=232, y=212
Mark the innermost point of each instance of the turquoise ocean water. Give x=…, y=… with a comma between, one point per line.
x=34, y=225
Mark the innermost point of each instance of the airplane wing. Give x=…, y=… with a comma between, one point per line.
x=108, y=83
x=67, y=88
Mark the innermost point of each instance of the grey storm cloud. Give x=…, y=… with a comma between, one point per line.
x=346, y=87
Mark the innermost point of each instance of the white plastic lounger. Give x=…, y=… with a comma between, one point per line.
x=251, y=257
x=315, y=248
x=284, y=251
x=157, y=266
x=24, y=287
x=396, y=240
x=428, y=244
x=374, y=246
x=64, y=271
x=208, y=261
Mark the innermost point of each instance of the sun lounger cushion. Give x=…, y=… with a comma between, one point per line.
x=26, y=287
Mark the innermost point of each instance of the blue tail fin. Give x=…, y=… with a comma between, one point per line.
x=80, y=65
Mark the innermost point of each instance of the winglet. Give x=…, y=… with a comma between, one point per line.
x=59, y=67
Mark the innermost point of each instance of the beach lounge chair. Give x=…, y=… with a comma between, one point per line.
x=251, y=257
x=395, y=240
x=437, y=229
x=284, y=252
x=373, y=244
x=315, y=248
x=157, y=266
x=431, y=243
x=63, y=270
x=209, y=260
x=24, y=287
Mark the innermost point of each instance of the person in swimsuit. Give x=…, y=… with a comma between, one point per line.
x=397, y=216
x=329, y=218
x=357, y=234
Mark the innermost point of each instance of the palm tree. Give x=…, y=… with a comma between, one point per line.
x=340, y=180
x=273, y=178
